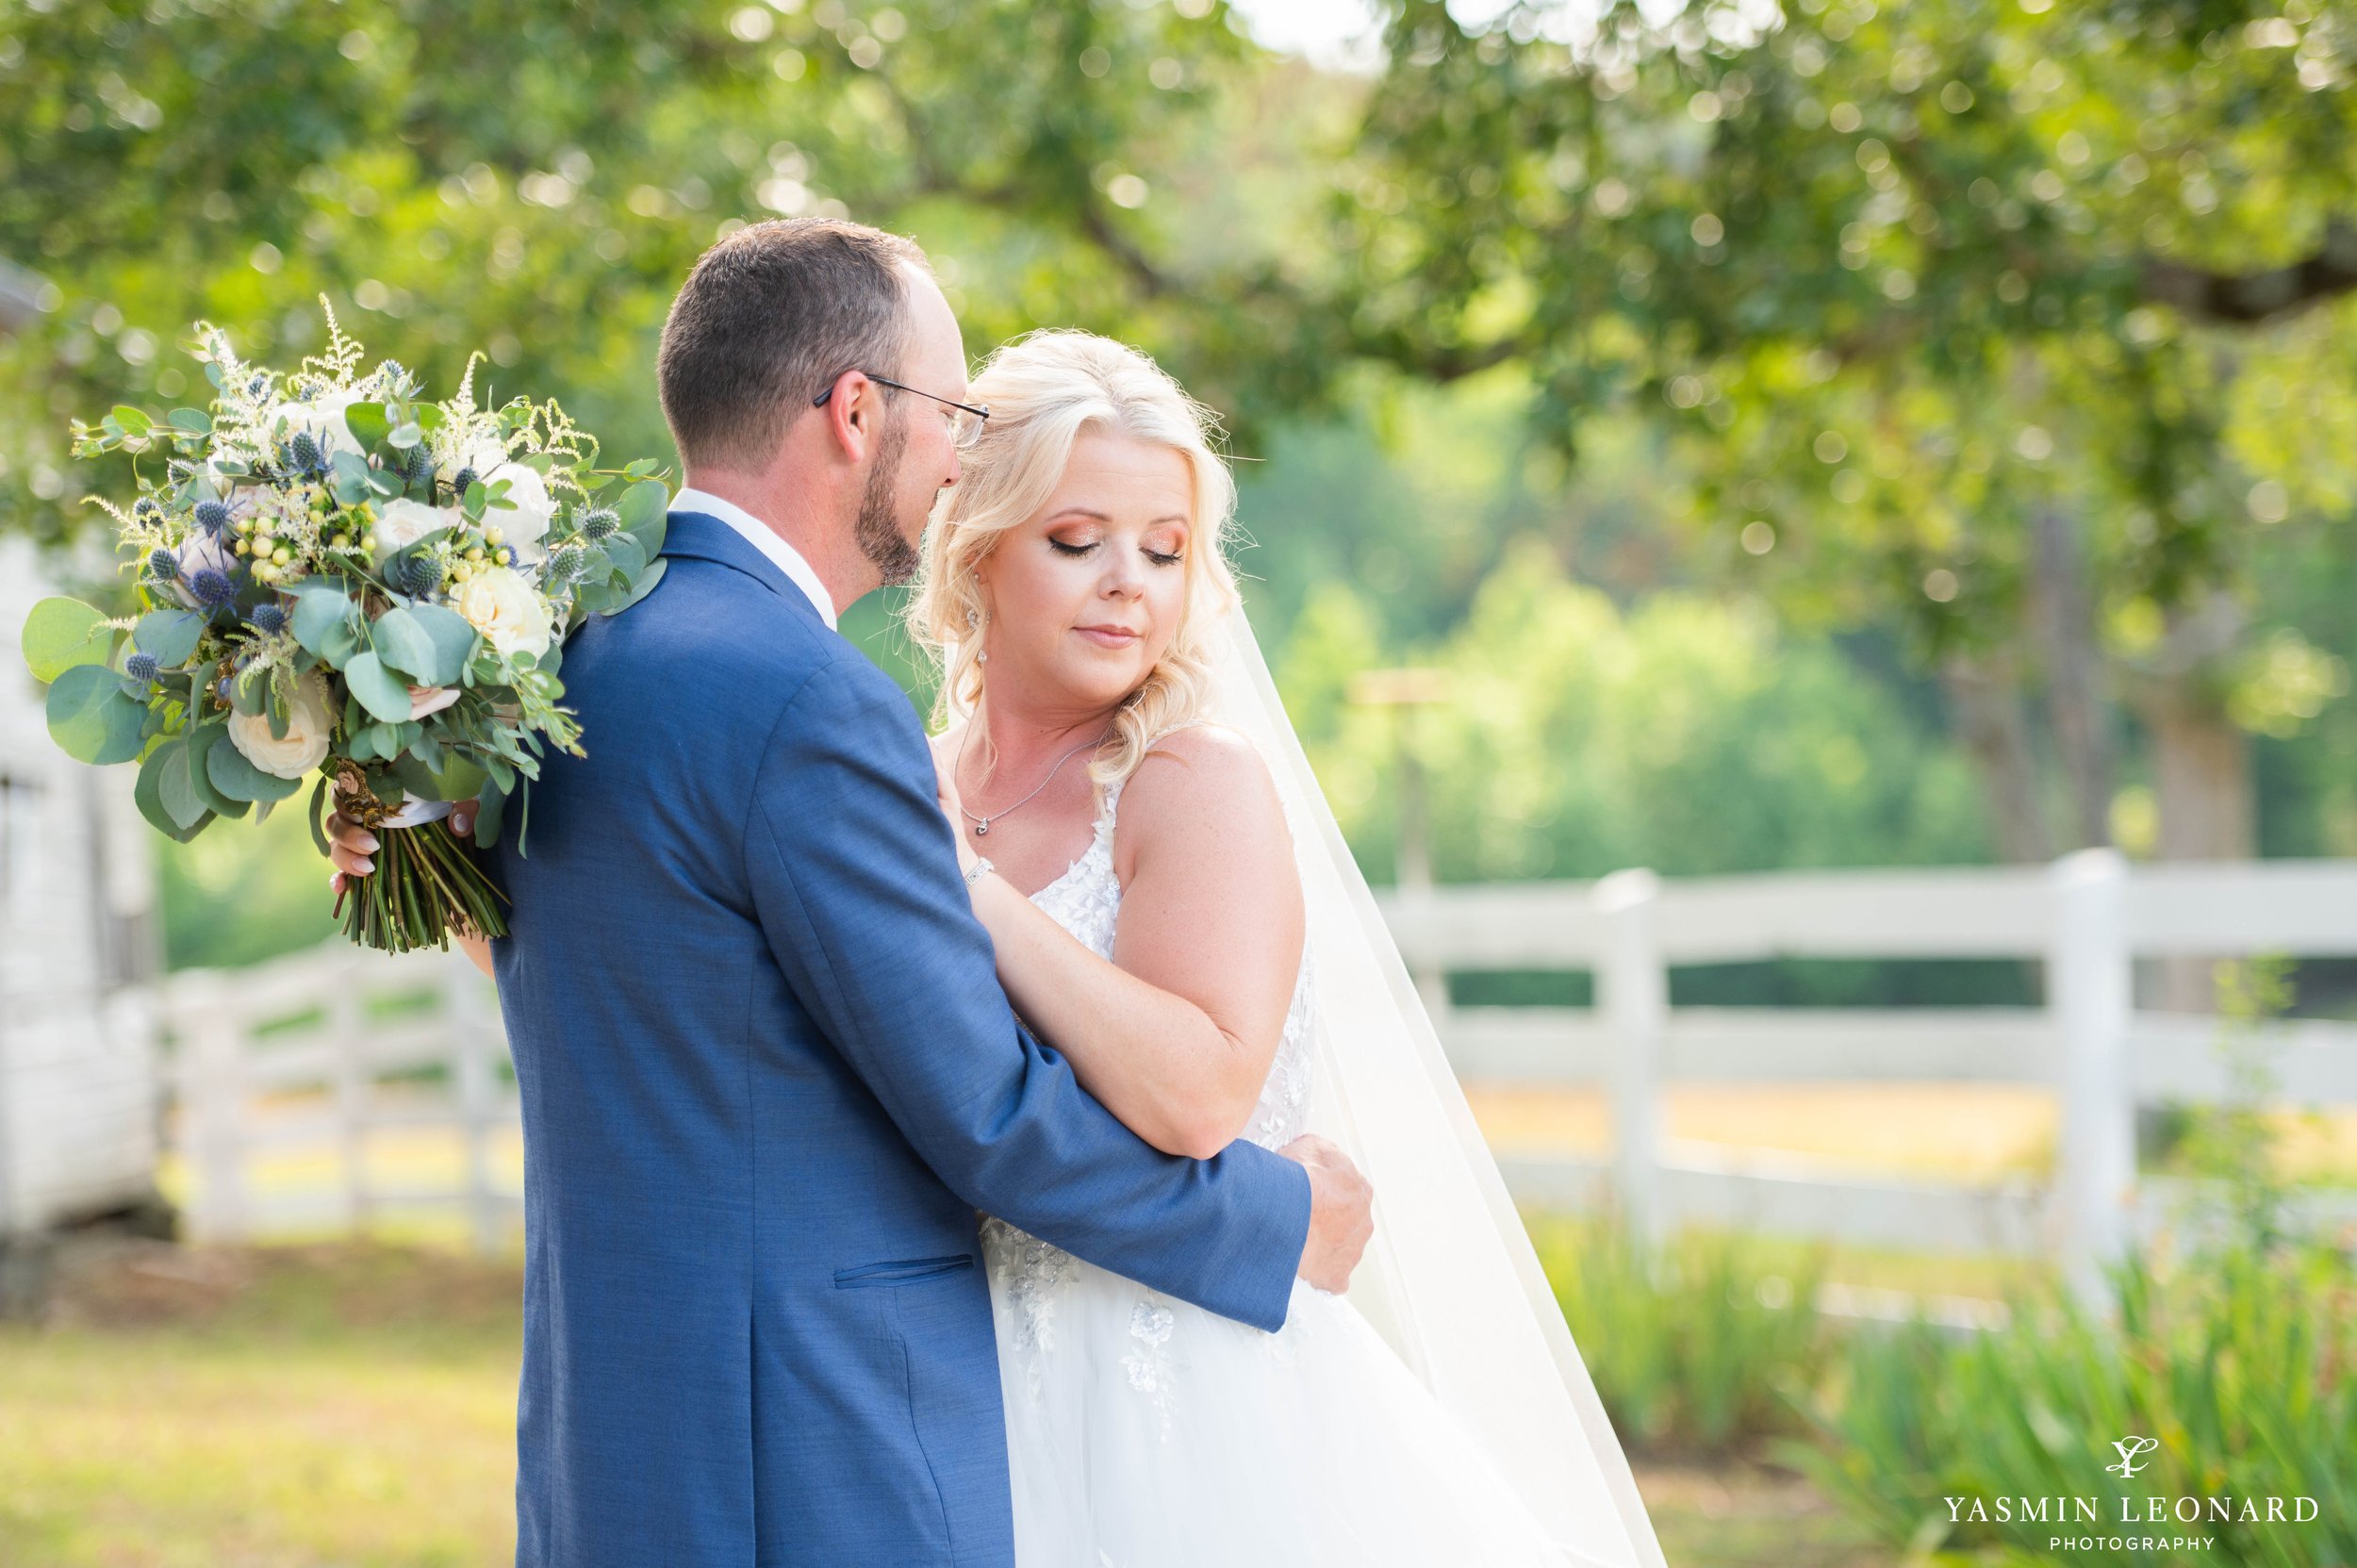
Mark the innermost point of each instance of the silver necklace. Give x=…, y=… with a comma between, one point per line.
x=981, y=825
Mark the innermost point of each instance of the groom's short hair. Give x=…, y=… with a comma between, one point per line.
x=771, y=315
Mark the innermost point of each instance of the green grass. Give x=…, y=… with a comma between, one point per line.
x=287, y=1407
x=351, y=1405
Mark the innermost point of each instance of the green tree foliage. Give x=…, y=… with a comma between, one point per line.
x=1966, y=312
x=1685, y=735
x=534, y=179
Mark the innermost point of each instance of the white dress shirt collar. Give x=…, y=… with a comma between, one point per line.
x=757, y=533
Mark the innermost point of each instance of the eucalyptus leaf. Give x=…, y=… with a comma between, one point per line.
x=169, y=636
x=492, y=812
x=60, y=634
x=627, y=555
x=460, y=780
x=320, y=609
x=249, y=694
x=147, y=796
x=232, y=773
x=176, y=786
x=200, y=744
x=318, y=832
x=367, y=422
x=194, y=420
x=639, y=589
x=348, y=479
x=90, y=718
x=643, y=508
x=383, y=693
x=454, y=640
x=405, y=645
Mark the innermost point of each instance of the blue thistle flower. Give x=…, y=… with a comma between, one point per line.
x=419, y=576
x=145, y=509
x=459, y=481
x=304, y=453
x=212, y=516
x=601, y=524
x=164, y=564
x=269, y=620
x=141, y=667
x=213, y=589
x=257, y=385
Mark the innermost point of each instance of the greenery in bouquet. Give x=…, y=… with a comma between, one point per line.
x=338, y=580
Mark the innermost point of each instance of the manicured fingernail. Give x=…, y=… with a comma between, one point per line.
x=367, y=844
x=364, y=867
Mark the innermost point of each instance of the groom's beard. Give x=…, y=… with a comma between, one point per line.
x=878, y=530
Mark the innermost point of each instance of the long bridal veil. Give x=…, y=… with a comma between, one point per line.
x=1450, y=1280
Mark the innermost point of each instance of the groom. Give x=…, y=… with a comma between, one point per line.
x=767, y=1072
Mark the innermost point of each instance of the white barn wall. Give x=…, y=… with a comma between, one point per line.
x=79, y=1083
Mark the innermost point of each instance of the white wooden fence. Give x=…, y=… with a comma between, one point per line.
x=2088, y=918
x=245, y=1089
x=325, y=1050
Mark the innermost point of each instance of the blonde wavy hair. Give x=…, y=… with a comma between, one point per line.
x=1044, y=390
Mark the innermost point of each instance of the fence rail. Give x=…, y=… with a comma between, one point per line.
x=2086, y=919
x=323, y=1048
x=326, y=1049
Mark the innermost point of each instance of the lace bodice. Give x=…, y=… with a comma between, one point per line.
x=1086, y=900
x=1035, y=1277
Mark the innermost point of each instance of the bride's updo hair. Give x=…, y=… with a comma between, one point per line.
x=1043, y=391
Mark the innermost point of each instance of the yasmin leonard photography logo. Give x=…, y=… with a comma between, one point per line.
x=2131, y=1510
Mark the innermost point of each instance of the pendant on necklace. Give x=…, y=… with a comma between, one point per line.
x=981, y=827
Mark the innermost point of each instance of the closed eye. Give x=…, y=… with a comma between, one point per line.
x=1062, y=547
x=1161, y=559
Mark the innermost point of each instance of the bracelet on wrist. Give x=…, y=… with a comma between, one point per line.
x=975, y=872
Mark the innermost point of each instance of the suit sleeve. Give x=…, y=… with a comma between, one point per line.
x=855, y=882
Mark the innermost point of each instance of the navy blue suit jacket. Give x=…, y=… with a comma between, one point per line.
x=768, y=1077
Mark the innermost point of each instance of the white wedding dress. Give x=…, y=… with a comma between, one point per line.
x=1146, y=1432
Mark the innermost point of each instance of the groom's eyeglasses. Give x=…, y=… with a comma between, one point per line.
x=965, y=418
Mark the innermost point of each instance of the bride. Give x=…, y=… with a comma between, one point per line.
x=1166, y=893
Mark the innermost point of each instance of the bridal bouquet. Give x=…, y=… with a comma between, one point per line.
x=335, y=577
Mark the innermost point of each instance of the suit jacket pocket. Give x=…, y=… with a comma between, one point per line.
x=902, y=1272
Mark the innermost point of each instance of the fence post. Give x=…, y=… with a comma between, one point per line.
x=355, y=1086
x=2089, y=971
x=1633, y=997
x=472, y=1045
x=212, y=1102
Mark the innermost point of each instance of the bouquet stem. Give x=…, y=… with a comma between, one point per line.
x=427, y=887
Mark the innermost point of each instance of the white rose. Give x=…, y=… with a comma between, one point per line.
x=524, y=522
x=305, y=744
x=403, y=522
x=481, y=452
x=508, y=610
x=323, y=417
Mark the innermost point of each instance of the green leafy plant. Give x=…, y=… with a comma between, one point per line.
x=1693, y=1346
